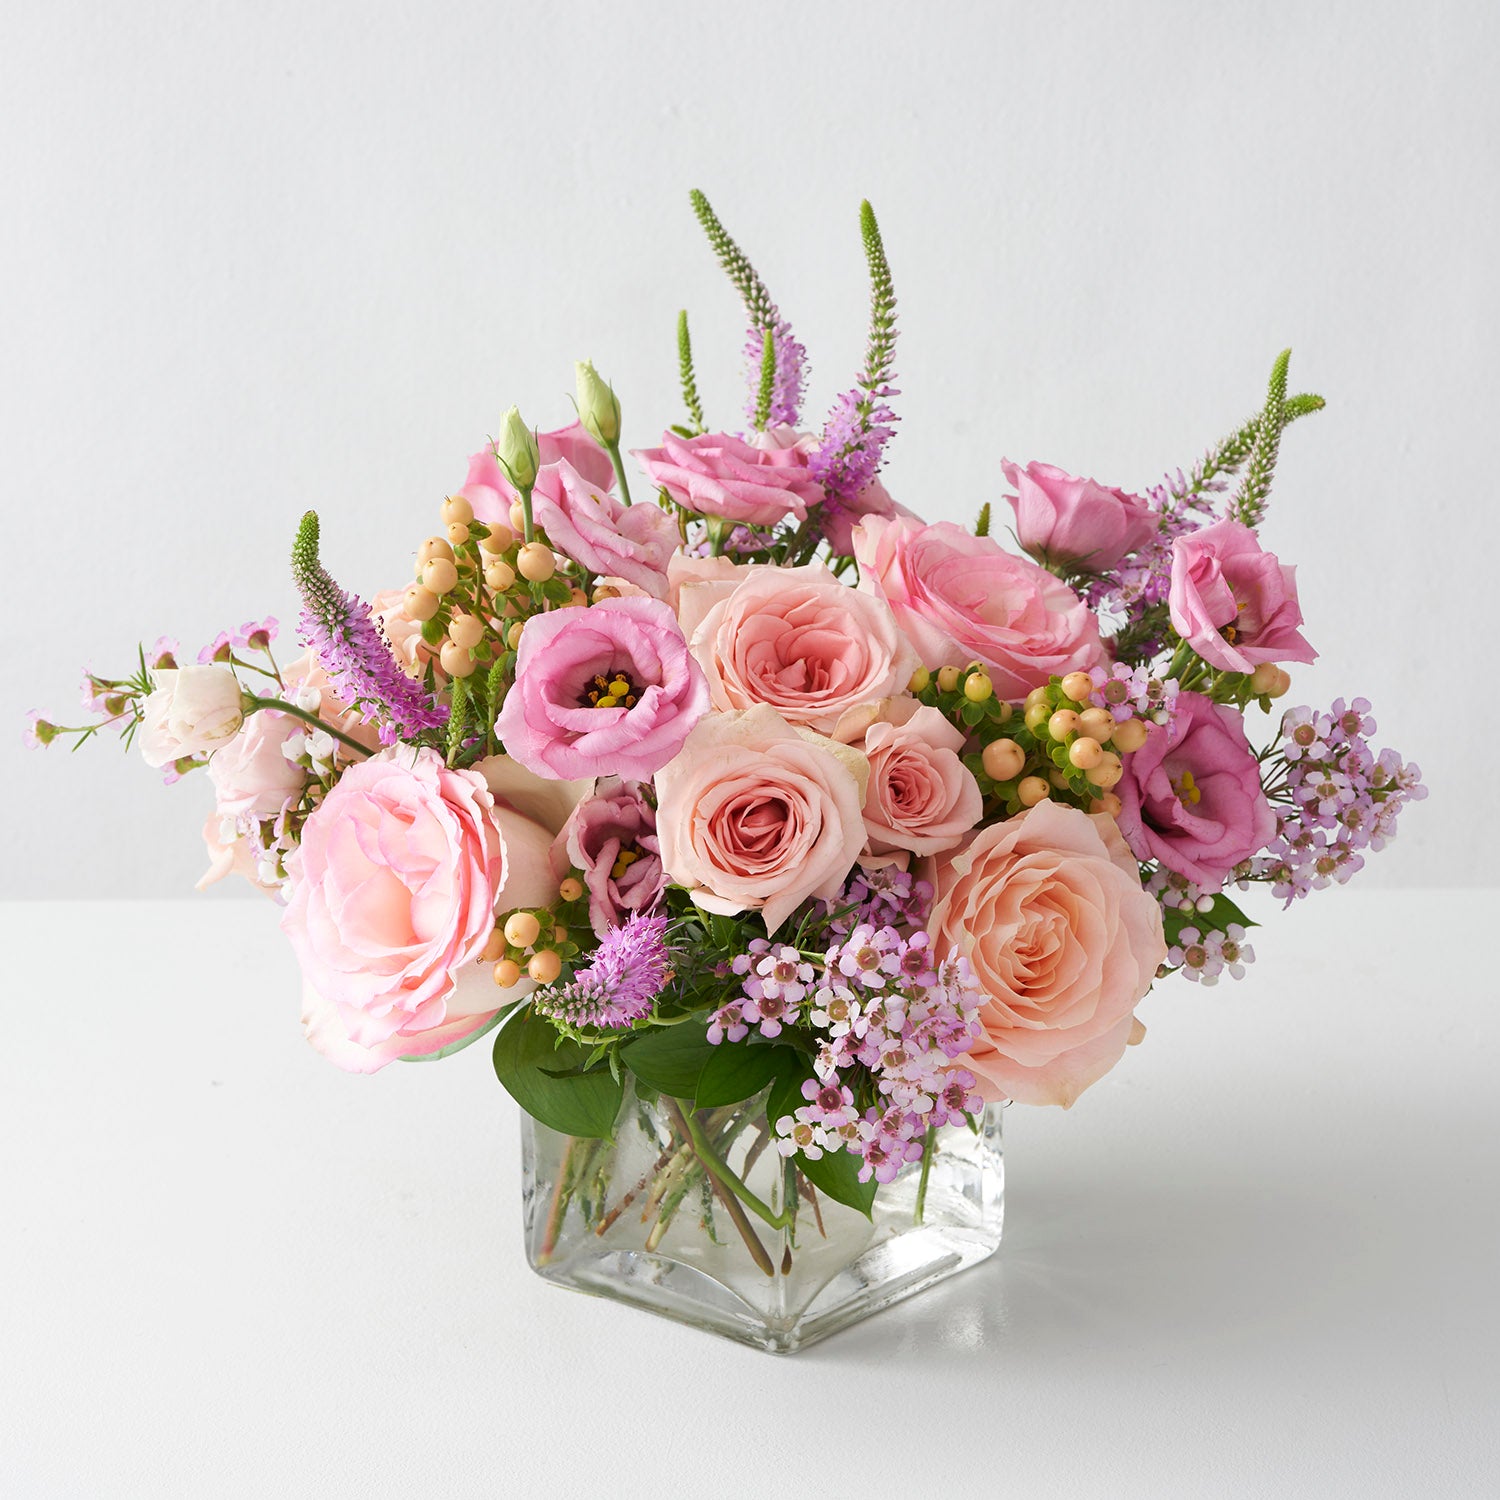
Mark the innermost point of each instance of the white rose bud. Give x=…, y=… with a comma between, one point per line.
x=192, y=711
x=598, y=407
x=517, y=451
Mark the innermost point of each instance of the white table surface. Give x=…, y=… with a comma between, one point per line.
x=1259, y=1259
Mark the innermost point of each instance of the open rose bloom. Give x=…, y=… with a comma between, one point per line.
x=713, y=775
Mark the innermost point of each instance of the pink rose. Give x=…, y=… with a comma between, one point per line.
x=490, y=492
x=1233, y=602
x=922, y=797
x=1048, y=908
x=560, y=720
x=393, y=890
x=962, y=598
x=719, y=475
x=616, y=820
x=799, y=640
x=1063, y=520
x=757, y=815
x=838, y=518
x=602, y=533
x=1191, y=795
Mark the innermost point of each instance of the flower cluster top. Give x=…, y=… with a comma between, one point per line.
x=753, y=779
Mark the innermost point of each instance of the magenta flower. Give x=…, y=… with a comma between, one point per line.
x=630, y=968
x=601, y=532
x=720, y=475
x=1233, y=602
x=1062, y=519
x=563, y=718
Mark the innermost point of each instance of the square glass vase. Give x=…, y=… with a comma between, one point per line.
x=694, y=1215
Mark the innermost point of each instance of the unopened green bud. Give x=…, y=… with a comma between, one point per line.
x=598, y=407
x=517, y=451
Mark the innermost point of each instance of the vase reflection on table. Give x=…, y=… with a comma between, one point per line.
x=695, y=1215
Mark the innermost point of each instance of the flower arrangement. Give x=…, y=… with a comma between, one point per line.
x=756, y=786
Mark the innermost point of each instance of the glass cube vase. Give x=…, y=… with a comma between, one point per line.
x=694, y=1214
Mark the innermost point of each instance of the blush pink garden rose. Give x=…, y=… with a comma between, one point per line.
x=553, y=726
x=616, y=819
x=191, y=710
x=755, y=814
x=962, y=598
x=1049, y=910
x=490, y=492
x=1063, y=520
x=798, y=640
x=1233, y=602
x=922, y=798
x=1191, y=796
x=603, y=534
x=719, y=475
x=409, y=864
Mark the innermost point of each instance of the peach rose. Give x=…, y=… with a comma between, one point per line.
x=1048, y=908
x=922, y=797
x=756, y=814
x=798, y=640
x=403, y=634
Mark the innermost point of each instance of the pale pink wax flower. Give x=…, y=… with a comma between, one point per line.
x=1191, y=796
x=720, y=475
x=1061, y=519
x=962, y=598
x=1049, y=910
x=393, y=889
x=191, y=710
x=491, y=493
x=602, y=533
x=757, y=815
x=922, y=797
x=1233, y=602
x=551, y=723
x=423, y=867
x=230, y=855
x=615, y=819
x=800, y=641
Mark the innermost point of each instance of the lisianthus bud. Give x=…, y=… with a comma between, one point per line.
x=598, y=407
x=517, y=450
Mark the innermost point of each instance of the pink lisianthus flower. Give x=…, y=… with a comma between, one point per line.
x=1049, y=910
x=1191, y=796
x=491, y=493
x=962, y=598
x=616, y=819
x=797, y=639
x=756, y=815
x=1063, y=520
x=559, y=719
x=719, y=475
x=600, y=532
x=1233, y=602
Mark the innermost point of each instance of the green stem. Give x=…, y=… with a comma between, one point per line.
x=282, y=707
x=929, y=1143
x=721, y=1172
x=613, y=449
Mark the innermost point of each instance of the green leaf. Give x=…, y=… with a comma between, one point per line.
x=785, y=1097
x=836, y=1173
x=543, y=1075
x=1222, y=915
x=738, y=1070
x=670, y=1058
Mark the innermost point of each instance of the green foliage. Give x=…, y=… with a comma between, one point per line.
x=982, y=525
x=689, y=379
x=549, y=1077
x=1250, y=499
x=881, y=355
x=836, y=1173
x=767, y=388
x=752, y=290
x=1228, y=456
x=1219, y=918
x=785, y=1097
x=459, y=708
x=670, y=1058
x=738, y=1070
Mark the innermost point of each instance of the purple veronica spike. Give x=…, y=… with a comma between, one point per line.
x=348, y=642
x=791, y=372
x=629, y=969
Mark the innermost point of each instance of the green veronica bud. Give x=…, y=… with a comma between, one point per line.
x=517, y=451
x=598, y=408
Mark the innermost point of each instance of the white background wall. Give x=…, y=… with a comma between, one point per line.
x=256, y=257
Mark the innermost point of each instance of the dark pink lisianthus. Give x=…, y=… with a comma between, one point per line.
x=601, y=532
x=1233, y=602
x=719, y=475
x=962, y=598
x=1191, y=795
x=616, y=820
x=1062, y=519
x=490, y=492
x=560, y=721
